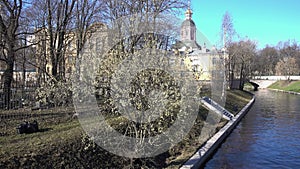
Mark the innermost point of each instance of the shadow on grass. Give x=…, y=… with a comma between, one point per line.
x=45, y=129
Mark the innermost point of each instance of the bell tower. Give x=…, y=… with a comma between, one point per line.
x=188, y=27
x=188, y=31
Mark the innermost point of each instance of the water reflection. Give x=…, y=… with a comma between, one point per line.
x=268, y=136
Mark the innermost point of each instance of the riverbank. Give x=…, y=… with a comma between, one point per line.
x=284, y=91
x=209, y=148
x=292, y=87
x=267, y=137
x=61, y=142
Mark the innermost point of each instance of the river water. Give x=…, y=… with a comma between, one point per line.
x=267, y=137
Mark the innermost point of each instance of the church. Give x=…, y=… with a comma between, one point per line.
x=193, y=45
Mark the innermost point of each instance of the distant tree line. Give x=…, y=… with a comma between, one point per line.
x=244, y=60
x=283, y=59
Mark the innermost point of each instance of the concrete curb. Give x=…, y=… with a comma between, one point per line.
x=206, y=151
x=289, y=92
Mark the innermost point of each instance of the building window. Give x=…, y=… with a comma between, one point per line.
x=214, y=61
x=192, y=35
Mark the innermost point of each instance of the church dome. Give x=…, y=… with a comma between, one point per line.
x=188, y=23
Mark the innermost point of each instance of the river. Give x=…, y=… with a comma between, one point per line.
x=267, y=137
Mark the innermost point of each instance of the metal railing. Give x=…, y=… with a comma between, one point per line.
x=21, y=96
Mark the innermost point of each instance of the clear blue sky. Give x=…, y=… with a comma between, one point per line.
x=264, y=21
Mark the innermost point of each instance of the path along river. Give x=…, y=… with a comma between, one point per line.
x=267, y=137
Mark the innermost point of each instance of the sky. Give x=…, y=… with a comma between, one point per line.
x=265, y=21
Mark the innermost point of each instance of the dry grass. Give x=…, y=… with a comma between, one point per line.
x=60, y=143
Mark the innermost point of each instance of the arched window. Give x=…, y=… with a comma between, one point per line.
x=192, y=34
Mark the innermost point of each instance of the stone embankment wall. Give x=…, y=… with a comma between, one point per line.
x=206, y=151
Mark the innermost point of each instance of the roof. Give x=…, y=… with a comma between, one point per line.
x=191, y=43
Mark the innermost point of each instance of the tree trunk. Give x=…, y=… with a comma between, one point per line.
x=241, y=86
x=8, y=78
x=54, y=67
x=231, y=75
x=9, y=23
x=24, y=76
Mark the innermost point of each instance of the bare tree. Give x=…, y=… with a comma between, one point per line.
x=36, y=15
x=87, y=13
x=227, y=30
x=227, y=34
x=59, y=15
x=10, y=37
x=287, y=67
x=242, y=54
x=289, y=49
x=146, y=11
x=87, y=21
x=269, y=57
x=52, y=19
x=119, y=8
x=264, y=63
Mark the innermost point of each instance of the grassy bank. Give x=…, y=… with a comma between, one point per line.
x=286, y=86
x=61, y=142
